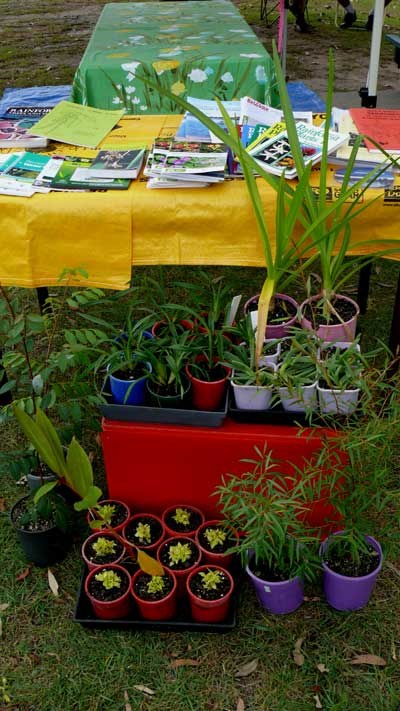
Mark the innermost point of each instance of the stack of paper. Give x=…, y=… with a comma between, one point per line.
x=184, y=164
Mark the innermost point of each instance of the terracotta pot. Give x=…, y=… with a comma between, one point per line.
x=163, y=609
x=209, y=610
x=114, y=609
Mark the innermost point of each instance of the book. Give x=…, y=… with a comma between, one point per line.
x=23, y=167
x=383, y=125
x=275, y=155
x=15, y=133
x=186, y=158
x=253, y=112
x=58, y=174
x=113, y=164
x=77, y=124
x=156, y=157
x=139, y=131
x=26, y=112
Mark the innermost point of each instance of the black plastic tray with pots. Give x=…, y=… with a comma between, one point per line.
x=161, y=415
x=182, y=623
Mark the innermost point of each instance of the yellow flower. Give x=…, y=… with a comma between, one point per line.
x=178, y=88
x=164, y=64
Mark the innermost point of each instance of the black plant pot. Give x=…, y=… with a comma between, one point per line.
x=43, y=548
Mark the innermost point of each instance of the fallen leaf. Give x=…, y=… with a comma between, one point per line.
x=53, y=584
x=318, y=704
x=394, y=655
x=3, y=505
x=240, y=705
x=184, y=663
x=298, y=657
x=54, y=654
x=3, y=606
x=145, y=689
x=368, y=659
x=24, y=573
x=128, y=707
x=322, y=668
x=247, y=669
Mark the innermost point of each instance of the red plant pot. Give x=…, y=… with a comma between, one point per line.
x=209, y=610
x=110, y=610
x=91, y=539
x=120, y=526
x=153, y=546
x=173, y=533
x=207, y=395
x=164, y=609
x=157, y=326
x=181, y=575
x=223, y=560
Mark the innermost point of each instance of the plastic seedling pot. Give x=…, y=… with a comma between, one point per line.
x=209, y=610
x=115, y=609
x=163, y=609
x=280, y=598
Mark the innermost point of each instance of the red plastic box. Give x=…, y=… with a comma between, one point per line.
x=152, y=466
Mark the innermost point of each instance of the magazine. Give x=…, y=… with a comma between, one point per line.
x=23, y=168
x=58, y=174
x=113, y=164
x=186, y=158
x=275, y=154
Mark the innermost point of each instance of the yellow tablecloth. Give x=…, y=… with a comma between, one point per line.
x=105, y=233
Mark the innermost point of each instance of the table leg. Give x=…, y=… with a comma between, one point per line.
x=363, y=287
x=42, y=295
x=5, y=398
x=394, y=339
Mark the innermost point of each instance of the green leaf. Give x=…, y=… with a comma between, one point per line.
x=43, y=490
x=79, y=469
x=39, y=441
x=92, y=497
x=54, y=441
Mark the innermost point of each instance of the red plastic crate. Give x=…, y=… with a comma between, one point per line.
x=151, y=466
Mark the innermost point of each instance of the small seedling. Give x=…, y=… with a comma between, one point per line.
x=211, y=579
x=179, y=553
x=182, y=516
x=109, y=578
x=104, y=546
x=106, y=513
x=143, y=533
x=215, y=537
x=156, y=584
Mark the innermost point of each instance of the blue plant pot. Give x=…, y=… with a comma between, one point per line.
x=128, y=392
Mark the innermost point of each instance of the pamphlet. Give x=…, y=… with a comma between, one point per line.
x=77, y=124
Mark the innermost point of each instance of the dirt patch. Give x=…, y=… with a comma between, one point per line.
x=42, y=43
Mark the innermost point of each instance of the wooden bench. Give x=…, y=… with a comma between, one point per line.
x=395, y=40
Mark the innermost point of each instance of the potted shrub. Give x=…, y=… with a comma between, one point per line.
x=38, y=475
x=102, y=549
x=206, y=371
x=108, y=589
x=155, y=595
x=341, y=378
x=266, y=507
x=182, y=520
x=144, y=530
x=127, y=367
x=214, y=539
x=167, y=384
x=180, y=555
x=210, y=590
x=281, y=317
x=297, y=373
x=42, y=528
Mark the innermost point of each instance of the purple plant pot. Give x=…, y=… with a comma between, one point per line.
x=344, y=332
x=346, y=593
x=278, y=598
x=276, y=330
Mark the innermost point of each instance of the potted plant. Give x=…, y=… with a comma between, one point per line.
x=126, y=365
x=155, y=595
x=144, y=530
x=182, y=520
x=38, y=475
x=266, y=507
x=252, y=384
x=210, y=590
x=341, y=378
x=281, y=317
x=206, y=371
x=108, y=591
x=214, y=539
x=43, y=528
x=102, y=549
x=167, y=384
x=180, y=555
x=110, y=514
x=297, y=373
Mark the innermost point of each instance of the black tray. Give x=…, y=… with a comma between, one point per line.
x=183, y=622
x=161, y=415
x=275, y=415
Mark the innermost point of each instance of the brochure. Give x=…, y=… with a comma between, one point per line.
x=77, y=124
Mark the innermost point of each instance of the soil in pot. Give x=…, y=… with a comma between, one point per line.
x=344, y=308
x=173, y=559
x=143, y=531
x=200, y=590
x=343, y=563
x=22, y=520
x=119, y=514
x=141, y=587
x=272, y=574
x=103, y=558
x=131, y=374
x=210, y=375
x=102, y=594
x=283, y=311
x=183, y=520
x=211, y=541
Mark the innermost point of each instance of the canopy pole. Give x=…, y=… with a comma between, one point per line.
x=368, y=94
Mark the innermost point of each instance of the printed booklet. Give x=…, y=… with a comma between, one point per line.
x=113, y=164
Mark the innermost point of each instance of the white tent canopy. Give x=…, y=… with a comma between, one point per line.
x=368, y=95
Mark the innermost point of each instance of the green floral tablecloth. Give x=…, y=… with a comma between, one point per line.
x=203, y=49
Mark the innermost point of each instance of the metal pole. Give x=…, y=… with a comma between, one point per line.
x=369, y=93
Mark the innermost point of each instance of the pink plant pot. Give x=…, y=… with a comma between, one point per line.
x=344, y=332
x=92, y=539
x=163, y=609
x=209, y=610
x=276, y=330
x=111, y=610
